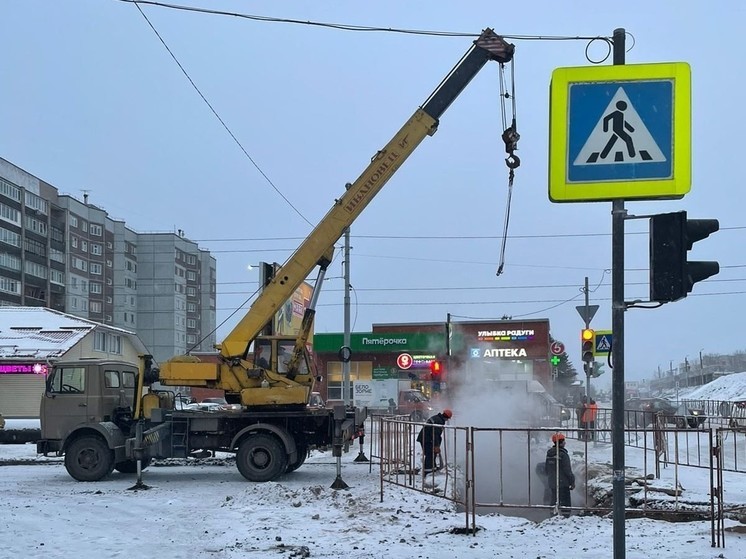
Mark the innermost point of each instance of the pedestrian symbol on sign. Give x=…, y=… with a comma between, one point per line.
x=620, y=136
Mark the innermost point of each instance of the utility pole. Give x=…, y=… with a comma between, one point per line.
x=588, y=369
x=346, y=362
x=618, y=307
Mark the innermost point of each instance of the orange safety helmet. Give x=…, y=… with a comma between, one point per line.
x=448, y=413
x=558, y=437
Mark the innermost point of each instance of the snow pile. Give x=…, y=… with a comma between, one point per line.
x=727, y=388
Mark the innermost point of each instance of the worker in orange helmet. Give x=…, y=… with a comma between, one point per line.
x=559, y=474
x=430, y=437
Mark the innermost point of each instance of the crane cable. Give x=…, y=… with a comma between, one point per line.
x=510, y=136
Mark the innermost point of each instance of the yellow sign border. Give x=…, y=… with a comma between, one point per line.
x=660, y=189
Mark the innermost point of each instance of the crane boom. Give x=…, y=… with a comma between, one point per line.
x=383, y=165
x=255, y=382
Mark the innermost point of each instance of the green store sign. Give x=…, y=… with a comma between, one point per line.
x=430, y=342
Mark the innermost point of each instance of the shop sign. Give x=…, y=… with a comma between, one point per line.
x=23, y=368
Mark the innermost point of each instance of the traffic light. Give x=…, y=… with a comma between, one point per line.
x=436, y=374
x=436, y=369
x=587, y=341
x=596, y=369
x=672, y=235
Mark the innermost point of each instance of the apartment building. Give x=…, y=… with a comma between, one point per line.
x=69, y=255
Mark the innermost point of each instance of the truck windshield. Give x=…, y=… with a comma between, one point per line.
x=67, y=380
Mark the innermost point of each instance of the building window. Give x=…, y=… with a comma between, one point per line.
x=359, y=370
x=57, y=234
x=36, y=270
x=10, y=261
x=10, y=190
x=8, y=285
x=73, y=221
x=84, y=246
x=37, y=203
x=34, y=247
x=104, y=341
x=95, y=230
x=96, y=269
x=96, y=307
x=10, y=214
x=56, y=255
x=95, y=287
x=35, y=225
x=73, y=241
x=10, y=237
x=55, y=276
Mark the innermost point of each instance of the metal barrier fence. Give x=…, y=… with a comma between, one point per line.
x=485, y=470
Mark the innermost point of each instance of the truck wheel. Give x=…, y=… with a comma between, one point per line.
x=261, y=457
x=302, y=454
x=89, y=459
x=130, y=466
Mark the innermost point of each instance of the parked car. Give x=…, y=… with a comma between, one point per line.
x=2, y=421
x=642, y=412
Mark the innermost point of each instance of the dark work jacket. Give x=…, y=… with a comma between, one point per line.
x=432, y=432
x=566, y=477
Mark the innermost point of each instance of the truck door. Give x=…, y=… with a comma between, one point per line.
x=65, y=402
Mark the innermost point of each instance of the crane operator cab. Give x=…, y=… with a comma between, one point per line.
x=263, y=354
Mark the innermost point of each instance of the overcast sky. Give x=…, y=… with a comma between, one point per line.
x=93, y=101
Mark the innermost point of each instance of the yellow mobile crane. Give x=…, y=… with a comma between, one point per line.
x=95, y=413
x=238, y=371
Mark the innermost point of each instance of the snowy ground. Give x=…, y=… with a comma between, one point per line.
x=210, y=511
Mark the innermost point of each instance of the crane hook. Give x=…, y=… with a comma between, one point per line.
x=510, y=137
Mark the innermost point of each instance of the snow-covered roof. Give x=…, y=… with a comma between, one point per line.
x=41, y=333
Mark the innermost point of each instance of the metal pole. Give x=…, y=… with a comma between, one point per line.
x=346, y=364
x=587, y=365
x=618, y=214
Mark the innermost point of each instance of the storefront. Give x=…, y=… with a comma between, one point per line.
x=404, y=356
x=494, y=350
x=21, y=384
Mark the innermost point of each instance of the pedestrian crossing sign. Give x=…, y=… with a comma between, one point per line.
x=620, y=132
x=602, y=343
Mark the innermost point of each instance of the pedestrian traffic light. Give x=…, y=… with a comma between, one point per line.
x=587, y=340
x=436, y=369
x=596, y=369
x=672, y=235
